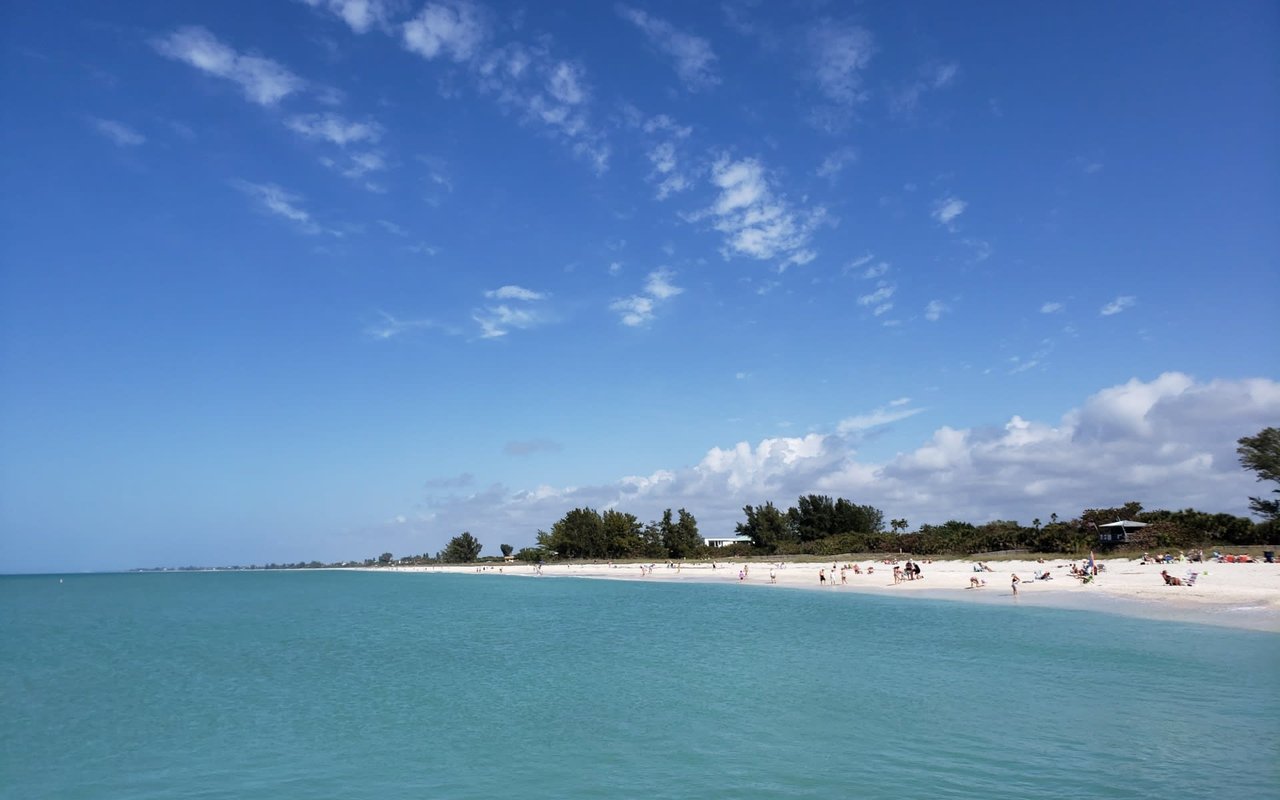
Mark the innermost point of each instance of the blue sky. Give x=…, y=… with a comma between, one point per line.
x=323, y=278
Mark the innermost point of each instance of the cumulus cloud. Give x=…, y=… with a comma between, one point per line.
x=119, y=133
x=692, y=55
x=755, y=221
x=360, y=15
x=1118, y=305
x=452, y=30
x=263, y=81
x=639, y=309
x=1168, y=443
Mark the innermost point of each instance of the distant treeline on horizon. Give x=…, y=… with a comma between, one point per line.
x=820, y=526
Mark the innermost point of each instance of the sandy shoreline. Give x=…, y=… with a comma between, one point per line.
x=1233, y=595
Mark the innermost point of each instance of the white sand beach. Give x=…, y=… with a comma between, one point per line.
x=1230, y=594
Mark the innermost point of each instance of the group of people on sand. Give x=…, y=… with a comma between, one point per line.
x=843, y=571
x=908, y=572
x=977, y=583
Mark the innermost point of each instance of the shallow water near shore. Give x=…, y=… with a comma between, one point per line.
x=358, y=685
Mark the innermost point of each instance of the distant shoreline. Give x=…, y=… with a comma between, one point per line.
x=1230, y=595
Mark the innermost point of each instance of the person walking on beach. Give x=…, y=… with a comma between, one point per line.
x=773, y=576
x=1015, y=583
x=822, y=577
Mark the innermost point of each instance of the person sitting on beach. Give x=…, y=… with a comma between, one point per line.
x=871, y=568
x=976, y=583
x=1169, y=580
x=857, y=570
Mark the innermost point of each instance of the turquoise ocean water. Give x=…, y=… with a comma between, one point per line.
x=356, y=685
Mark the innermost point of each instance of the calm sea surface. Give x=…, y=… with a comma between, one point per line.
x=355, y=685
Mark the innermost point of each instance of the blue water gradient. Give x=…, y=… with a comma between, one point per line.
x=358, y=685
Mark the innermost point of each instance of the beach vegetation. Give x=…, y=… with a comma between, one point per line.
x=587, y=533
x=461, y=549
x=506, y=550
x=1261, y=454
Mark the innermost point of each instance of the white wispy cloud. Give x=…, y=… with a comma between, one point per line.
x=263, y=81
x=281, y=203
x=515, y=293
x=755, y=221
x=874, y=271
x=948, y=209
x=932, y=77
x=334, y=128
x=692, y=55
x=119, y=133
x=388, y=326
x=658, y=285
x=894, y=411
x=878, y=298
x=392, y=228
x=858, y=263
x=453, y=30
x=1118, y=305
x=666, y=138
x=551, y=93
x=835, y=162
x=635, y=310
x=1051, y=308
x=935, y=309
x=1168, y=442
x=840, y=52
x=639, y=309
x=360, y=15
x=498, y=320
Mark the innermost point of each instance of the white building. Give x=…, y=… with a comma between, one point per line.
x=724, y=541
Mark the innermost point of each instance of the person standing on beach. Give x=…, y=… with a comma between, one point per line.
x=822, y=577
x=1015, y=583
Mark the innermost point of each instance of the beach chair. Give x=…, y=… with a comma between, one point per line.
x=1190, y=580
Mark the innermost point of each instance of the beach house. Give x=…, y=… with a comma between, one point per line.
x=725, y=541
x=1118, y=532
